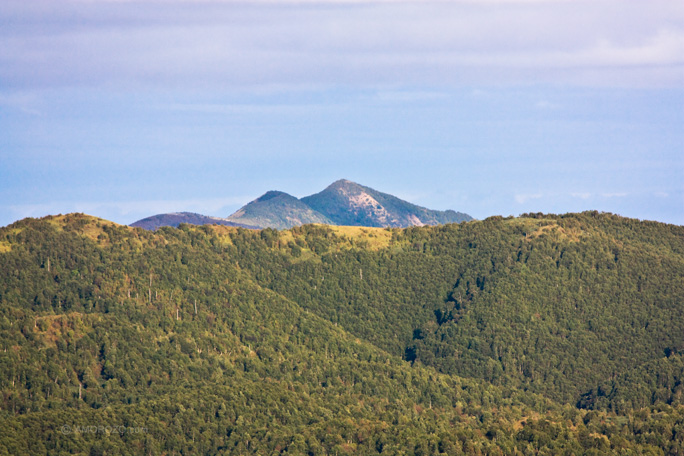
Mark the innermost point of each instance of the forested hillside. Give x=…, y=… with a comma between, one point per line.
x=536, y=335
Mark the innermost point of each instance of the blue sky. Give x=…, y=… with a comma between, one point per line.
x=126, y=109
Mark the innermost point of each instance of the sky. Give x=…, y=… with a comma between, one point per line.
x=125, y=109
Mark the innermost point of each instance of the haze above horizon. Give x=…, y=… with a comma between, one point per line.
x=124, y=109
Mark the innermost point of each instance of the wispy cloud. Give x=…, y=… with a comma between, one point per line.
x=25, y=102
x=328, y=2
x=546, y=105
x=615, y=195
x=377, y=43
x=522, y=198
x=581, y=195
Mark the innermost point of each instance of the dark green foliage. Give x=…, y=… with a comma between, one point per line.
x=491, y=337
x=556, y=306
x=654, y=382
x=560, y=306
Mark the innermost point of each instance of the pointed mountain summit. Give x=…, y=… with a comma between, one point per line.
x=277, y=210
x=347, y=203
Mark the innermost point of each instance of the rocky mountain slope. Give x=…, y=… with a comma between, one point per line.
x=348, y=203
x=341, y=203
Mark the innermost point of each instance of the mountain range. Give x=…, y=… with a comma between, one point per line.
x=174, y=219
x=341, y=203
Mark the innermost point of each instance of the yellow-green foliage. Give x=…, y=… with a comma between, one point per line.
x=346, y=237
x=87, y=225
x=369, y=238
x=223, y=233
x=67, y=327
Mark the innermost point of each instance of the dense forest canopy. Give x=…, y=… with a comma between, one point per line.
x=542, y=334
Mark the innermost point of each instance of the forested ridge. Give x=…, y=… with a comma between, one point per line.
x=542, y=334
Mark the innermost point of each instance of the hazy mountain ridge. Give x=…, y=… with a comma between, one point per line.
x=341, y=203
x=174, y=219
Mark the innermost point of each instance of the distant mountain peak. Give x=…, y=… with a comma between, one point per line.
x=273, y=194
x=278, y=210
x=176, y=218
x=348, y=203
x=343, y=202
x=343, y=184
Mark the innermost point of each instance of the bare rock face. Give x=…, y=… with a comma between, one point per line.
x=349, y=203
